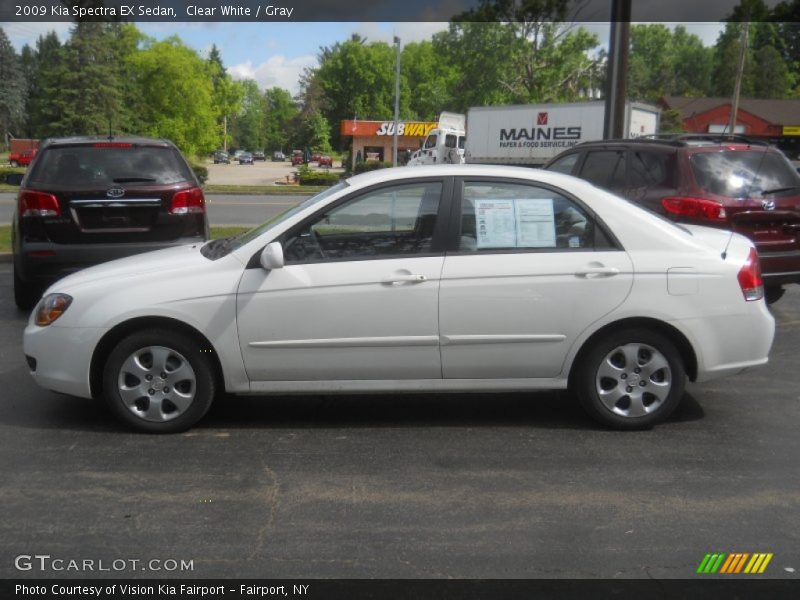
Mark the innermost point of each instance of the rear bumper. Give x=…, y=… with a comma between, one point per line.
x=59, y=260
x=780, y=267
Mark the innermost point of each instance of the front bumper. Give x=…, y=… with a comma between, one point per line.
x=62, y=357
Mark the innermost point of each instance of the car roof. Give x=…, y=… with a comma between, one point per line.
x=94, y=139
x=466, y=170
x=735, y=142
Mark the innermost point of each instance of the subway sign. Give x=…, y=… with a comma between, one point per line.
x=386, y=128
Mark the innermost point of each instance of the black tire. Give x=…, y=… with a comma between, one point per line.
x=165, y=416
x=26, y=295
x=627, y=402
x=773, y=293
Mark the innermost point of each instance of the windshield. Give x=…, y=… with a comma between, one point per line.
x=743, y=174
x=221, y=247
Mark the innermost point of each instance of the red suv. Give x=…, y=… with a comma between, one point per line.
x=727, y=182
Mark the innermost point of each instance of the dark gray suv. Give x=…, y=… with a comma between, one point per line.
x=88, y=200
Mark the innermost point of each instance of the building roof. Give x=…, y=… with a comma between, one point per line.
x=777, y=112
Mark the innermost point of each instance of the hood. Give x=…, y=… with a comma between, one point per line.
x=124, y=269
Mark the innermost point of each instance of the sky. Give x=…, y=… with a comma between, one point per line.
x=275, y=54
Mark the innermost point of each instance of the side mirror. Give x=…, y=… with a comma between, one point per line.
x=14, y=179
x=272, y=256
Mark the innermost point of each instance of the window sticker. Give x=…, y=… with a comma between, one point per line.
x=495, y=223
x=515, y=223
x=536, y=223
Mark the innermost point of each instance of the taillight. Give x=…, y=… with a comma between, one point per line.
x=188, y=201
x=697, y=208
x=750, y=278
x=38, y=204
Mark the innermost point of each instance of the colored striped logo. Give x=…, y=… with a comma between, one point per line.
x=736, y=562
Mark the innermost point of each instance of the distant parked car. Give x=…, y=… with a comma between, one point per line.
x=259, y=155
x=87, y=200
x=298, y=158
x=727, y=182
x=21, y=159
x=278, y=156
x=245, y=158
x=316, y=156
x=221, y=157
x=324, y=161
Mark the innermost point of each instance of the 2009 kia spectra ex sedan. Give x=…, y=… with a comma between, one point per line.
x=448, y=278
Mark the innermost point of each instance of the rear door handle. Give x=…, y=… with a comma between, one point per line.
x=397, y=279
x=597, y=272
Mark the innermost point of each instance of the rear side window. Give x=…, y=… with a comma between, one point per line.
x=605, y=168
x=102, y=166
x=741, y=174
x=651, y=169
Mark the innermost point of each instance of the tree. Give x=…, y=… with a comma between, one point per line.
x=12, y=91
x=314, y=132
x=279, y=112
x=520, y=52
x=227, y=95
x=174, y=95
x=92, y=97
x=430, y=80
x=44, y=103
x=248, y=126
x=354, y=78
x=667, y=63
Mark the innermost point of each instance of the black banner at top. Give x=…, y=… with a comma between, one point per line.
x=354, y=10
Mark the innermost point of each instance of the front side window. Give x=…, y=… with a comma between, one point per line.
x=430, y=142
x=388, y=222
x=507, y=216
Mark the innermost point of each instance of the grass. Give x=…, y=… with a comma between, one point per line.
x=216, y=232
x=305, y=190
x=5, y=238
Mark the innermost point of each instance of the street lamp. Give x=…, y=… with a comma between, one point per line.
x=396, y=100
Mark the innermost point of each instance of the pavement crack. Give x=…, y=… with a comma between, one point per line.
x=272, y=496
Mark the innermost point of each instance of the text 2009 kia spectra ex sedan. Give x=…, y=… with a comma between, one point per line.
x=449, y=278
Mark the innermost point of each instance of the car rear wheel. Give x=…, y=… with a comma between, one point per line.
x=159, y=381
x=773, y=293
x=26, y=295
x=631, y=379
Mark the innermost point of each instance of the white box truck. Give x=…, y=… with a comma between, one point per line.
x=529, y=134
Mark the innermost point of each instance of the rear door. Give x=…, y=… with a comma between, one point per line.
x=114, y=192
x=530, y=269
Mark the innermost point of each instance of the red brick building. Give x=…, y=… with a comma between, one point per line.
x=775, y=121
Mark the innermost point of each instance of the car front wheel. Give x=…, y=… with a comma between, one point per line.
x=159, y=381
x=631, y=379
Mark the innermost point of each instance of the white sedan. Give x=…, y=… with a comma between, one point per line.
x=450, y=278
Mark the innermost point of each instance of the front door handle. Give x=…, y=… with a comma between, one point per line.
x=597, y=272
x=397, y=279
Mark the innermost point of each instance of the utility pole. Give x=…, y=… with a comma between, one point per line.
x=396, y=101
x=616, y=91
x=737, y=87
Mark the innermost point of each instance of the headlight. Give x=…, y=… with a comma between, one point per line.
x=51, y=307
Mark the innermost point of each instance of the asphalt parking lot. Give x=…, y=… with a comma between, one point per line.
x=409, y=486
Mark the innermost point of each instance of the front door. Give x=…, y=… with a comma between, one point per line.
x=357, y=298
